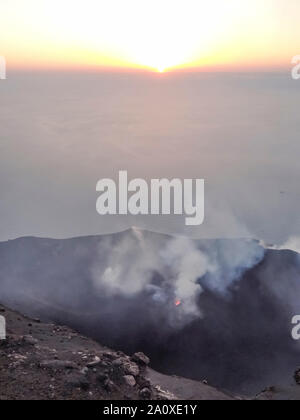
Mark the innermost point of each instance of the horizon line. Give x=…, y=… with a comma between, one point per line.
x=115, y=69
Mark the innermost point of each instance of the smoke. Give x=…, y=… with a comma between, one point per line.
x=128, y=267
x=206, y=309
x=293, y=244
x=184, y=266
x=132, y=264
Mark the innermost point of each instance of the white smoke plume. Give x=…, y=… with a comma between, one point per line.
x=183, y=265
x=186, y=265
x=292, y=244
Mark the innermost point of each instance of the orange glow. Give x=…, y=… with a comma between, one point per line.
x=155, y=35
x=178, y=302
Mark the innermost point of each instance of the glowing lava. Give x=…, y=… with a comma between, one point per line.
x=178, y=302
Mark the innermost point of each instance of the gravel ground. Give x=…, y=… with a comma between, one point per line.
x=40, y=361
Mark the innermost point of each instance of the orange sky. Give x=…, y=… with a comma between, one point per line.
x=153, y=34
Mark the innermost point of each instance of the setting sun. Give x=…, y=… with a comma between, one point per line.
x=154, y=35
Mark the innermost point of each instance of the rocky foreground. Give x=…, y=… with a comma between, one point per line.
x=41, y=361
x=121, y=290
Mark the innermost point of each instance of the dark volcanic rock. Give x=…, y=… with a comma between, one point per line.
x=28, y=339
x=78, y=381
x=58, y=364
x=145, y=394
x=94, y=363
x=55, y=368
x=297, y=377
x=129, y=380
x=141, y=359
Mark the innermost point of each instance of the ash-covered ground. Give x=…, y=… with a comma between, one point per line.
x=218, y=310
x=40, y=361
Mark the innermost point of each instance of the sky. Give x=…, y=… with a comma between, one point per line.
x=152, y=34
x=61, y=132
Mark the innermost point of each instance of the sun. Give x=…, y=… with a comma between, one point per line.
x=158, y=36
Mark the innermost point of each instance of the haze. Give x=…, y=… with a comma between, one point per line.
x=62, y=132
